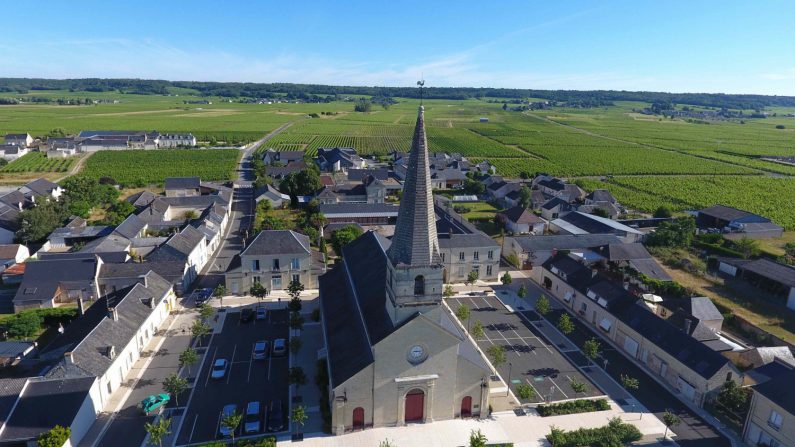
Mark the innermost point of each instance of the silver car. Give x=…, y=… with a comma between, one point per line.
x=228, y=410
x=252, y=421
x=261, y=349
x=279, y=347
x=219, y=369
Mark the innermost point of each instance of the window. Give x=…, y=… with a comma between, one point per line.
x=461, y=271
x=488, y=270
x=419, y=285
x=461, y=256
x=276, y=265
x=583, y=308
x=491, y=254
x=295, y=264
x=774, y=421
x=255, y=265
x=729, y=376
x=256, y=279
x=276, y=282
x=296, y=277
x=442, y=255
x=477, y=256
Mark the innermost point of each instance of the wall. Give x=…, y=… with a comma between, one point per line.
x=86, y=415
x=756, y=424
x=457, y=270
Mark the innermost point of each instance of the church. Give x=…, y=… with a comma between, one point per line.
x=395, y=353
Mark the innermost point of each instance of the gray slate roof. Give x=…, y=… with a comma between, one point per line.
x=182, y=183
x=278, y=242
x=780, y=390
x=471, y=240
x=565, y=241
x=43, y=277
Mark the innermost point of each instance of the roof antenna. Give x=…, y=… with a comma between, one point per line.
x=421, y=84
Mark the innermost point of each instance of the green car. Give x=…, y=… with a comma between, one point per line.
x=154, y=403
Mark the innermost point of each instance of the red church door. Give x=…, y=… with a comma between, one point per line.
x=466, y=407
x=415, y=405
x=358, y=418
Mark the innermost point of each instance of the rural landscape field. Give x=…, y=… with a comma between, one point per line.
x=645, y=160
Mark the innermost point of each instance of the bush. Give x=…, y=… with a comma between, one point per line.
x=23, y=325
x=573, y=407
x=614, y=434
x=525, y=391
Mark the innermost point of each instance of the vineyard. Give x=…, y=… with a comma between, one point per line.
x=140, y=168
x=38, y=162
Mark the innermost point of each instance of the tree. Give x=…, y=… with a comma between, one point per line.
x=386, y=443
x=474, y=187
x=190, y=215
x=497, y=354
x=36, y=223
x=506, y=279
x=591, y=348
x=578, y=386
x=463, y=313
x=669, y=419
x=24, y=325
x=448, y=291
x=734, y=398
x=273, y=223
x=158, y=430
x=601, y=212
x=677, y=233
x=294, y=290
x=542, y=305
x=525, y=391
x=54, y=437
x=295, y=345
x=343, y=237
x=296, y=320
x=206, y=311
x=118, y=212
x=296, y=376
x=175, y=385
x=630, y=383
x=663, y=212
x=257, y=290
x=565, y=324
x=298, y=415
x=188, y=357
x=231, y=422
x=525, y=196
x=472, y=277
x=747, y=246
x=477, y=439
x=219, y=291
x=362, y=105
x=199, y=329
x=57, y=132
x=522, y=291
x=477, y=330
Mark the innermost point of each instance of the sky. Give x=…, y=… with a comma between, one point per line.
x=678, y=46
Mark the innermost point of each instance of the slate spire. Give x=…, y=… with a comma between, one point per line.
x=414, y=242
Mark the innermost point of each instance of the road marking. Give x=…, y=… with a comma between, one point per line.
x=269, y=367
x=231, y=364
x=250, y=363
x=218, y=425
x=212, y=363
x=558, y=387
x=534, y=388
x=193, y=428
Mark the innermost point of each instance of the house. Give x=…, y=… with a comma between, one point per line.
x=532, y=251
x=275, y=258
x=14, y=274
x=771, y=417
x=41, y=188
x=462, y=253
x=188, y=246
x=733, y=220
x=48, y=283
x=598, y=196
x=448, y=178
x=33, y=406
x=519, y=220
x=280, y=172
x=634, y=256
x=11, y=152
x=182, y=186
x=19, y=139
x=176, y=140
x=361, y=213
x=276, y=198
x=337, y=159
x=11, y=254
x=62, y=152
x=776, y=279
x=610, y=209
x=499, y=189
x=555, y=208
x=12, y=352
x=686, y=365
x=271, y=157
x=110, y=336
x=581, y=223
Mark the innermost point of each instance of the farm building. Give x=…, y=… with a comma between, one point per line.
x=733, y=220
x=772, y=277
x=581, y=223
x=519, y=220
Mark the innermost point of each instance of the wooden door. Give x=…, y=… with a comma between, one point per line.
x=358, y=418
x=466, y=407
x=415, y=406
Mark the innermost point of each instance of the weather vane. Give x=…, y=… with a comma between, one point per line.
x=421, y=83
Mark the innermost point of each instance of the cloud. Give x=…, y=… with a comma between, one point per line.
x=785, y=75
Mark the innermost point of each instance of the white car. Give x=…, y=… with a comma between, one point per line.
x=262, y=313
x=279, y=347
x=219, y=369
x=252, y=420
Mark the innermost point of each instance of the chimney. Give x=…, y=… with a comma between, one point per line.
x=69, y=358
x=113, y=313
x=687, y=325
x=81, y=308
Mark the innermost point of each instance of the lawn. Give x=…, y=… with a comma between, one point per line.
x=477, y=210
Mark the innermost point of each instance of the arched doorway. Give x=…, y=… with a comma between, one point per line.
x=415, y=406
x=358, y=418
x=466, y=407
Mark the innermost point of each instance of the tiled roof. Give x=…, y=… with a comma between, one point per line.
x=272, y=242
x=182, y=183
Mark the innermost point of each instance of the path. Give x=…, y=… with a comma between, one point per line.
x=75, y=168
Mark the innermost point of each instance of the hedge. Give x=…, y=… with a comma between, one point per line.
x=717, y=249
x=614, y=434
x=573, y=406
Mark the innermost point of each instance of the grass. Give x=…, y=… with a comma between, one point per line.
x=38, y=162
x=479, y=210
x=776, y=246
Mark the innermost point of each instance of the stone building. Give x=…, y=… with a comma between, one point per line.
x=395, y=352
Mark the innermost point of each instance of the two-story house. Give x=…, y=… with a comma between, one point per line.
x=771, y=418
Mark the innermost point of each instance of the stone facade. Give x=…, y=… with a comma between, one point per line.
x=769, y=424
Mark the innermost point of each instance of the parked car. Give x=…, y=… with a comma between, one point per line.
x=219, y=369
x=279, y=347
x=261, y=349
x=197, y=297
x=228, y=410
x=276, y=416
x=154, y=403
x=251, y=422
x=246, y=315
x=262, y=313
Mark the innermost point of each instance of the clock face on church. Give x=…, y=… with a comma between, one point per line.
x=417, y=354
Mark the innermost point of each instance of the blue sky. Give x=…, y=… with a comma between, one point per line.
x=682, y=46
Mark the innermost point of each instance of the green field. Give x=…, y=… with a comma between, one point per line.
x=38, y=162
x=139, y=168
x=655, y=161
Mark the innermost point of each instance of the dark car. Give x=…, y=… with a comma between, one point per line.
x=201, y=296
x=247, y=315
x=276, y=417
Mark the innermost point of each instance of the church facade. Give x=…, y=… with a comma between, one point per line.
x=395, y=353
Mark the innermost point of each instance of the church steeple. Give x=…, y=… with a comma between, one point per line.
x=415, y=242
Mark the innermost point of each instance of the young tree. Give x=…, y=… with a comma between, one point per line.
x=296, y=376
x=565, y=324
x=206, y=311
x=448, y=291
x=55, y=437
x=296, y=321
x=219, y=291
x=497, y=354
x=343, y=237
x=231, y=422
x=298, y=415
x=188, y=357
x=24, y=325
x=463, y=313
x=258, y=290
x=591, y=348
x=158, y=430
x=747, y=246
x=734, y=398
x=477, y=439
x=199, y=330
x=630, y=383
x=522, y=291
x=663, y=212
x=472, y=277
x=295, y=345
x=175, y=385
x=506, y=279
x=294, y=290
x=477, y=330
x=525, y=195
x=542, y=305
x=578, y=386
x=669, y=419
x=386, y=443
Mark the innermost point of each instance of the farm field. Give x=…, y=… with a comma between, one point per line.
x=38, y=162
x=135, y=168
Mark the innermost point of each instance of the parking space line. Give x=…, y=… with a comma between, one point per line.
x=558, y=387
x=269, y=368
x=193, y=428
x=231, y=365
x=209, y=373
x=534, y=388
x=250, y=364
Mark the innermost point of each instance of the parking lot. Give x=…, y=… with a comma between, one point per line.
x=530, y=360
x=245, y=380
